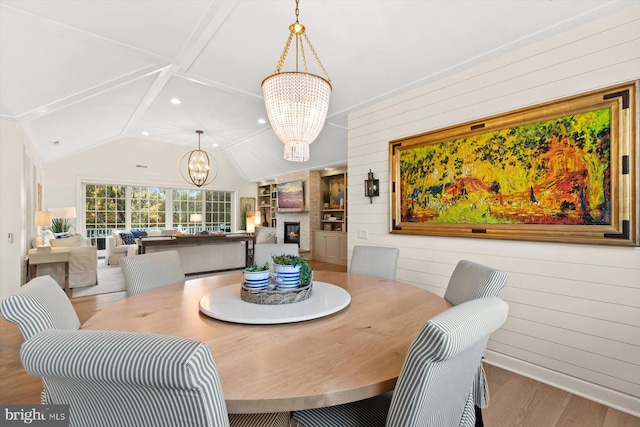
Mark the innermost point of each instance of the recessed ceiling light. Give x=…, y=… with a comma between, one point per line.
x=215, y=145
x=145, y=133
x=175, y=101
x=262, y=121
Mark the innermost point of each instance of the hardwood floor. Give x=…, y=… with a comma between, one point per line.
x=515, y=400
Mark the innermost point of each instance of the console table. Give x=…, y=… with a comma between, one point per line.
x=200, y=239
x=49, y=257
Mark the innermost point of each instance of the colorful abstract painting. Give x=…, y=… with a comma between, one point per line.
x=564, y=171
x=552, y=172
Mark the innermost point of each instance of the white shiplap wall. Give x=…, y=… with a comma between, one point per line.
x=574, y=318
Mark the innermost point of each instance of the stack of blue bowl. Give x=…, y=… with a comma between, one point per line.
x=257, y=283
x=287, y=280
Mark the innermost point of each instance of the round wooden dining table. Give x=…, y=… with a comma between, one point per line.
x=353, y=354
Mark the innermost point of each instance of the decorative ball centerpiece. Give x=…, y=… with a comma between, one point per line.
x=291, y=281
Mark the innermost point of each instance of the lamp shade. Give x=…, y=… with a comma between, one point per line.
x=43, y=219
x=251, y=225
x=195, y=217
x=68, y=212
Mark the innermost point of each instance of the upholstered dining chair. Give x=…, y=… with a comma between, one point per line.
x=435, y=386
x=39, y=305
x=468, y=281
x=262, y=252
x=150, y=271
x=134, y=379
x=375, y=261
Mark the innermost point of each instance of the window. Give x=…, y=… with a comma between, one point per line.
x=185, y=203
x=105, y=210
x=110, y=207
x=148, y=207
x=217, y=211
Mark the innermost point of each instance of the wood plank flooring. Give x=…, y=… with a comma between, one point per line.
x=515, y=400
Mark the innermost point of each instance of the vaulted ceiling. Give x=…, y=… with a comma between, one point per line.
x=77, y=74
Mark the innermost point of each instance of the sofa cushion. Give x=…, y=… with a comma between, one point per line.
x=116, y=236
x=127, y=238
x=138, y=233
x=66, y=242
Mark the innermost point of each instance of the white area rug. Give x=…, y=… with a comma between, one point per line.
x=110, y=279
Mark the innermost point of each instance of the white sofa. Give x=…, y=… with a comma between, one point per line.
x=83, y=260
x=116, y=248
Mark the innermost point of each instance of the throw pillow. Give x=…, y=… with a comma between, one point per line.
x=67, y=242
x=117, y=238
x=128, y=239
x=139, y=233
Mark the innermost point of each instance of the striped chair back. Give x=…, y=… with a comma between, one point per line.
x=128, y=379
x=471, y=280
x=150, y=271
x=134, y=379
x=39, y=305
x=435, y=385
x=375, y=261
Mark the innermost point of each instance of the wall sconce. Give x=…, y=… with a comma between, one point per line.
x=371, y=187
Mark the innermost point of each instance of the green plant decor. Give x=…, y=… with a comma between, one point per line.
x=294, y=260
x=255, y=267
x=60, y=225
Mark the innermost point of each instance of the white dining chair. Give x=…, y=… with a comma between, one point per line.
x=376, y=261
x=468, y=281
x=150, y=271
x=133, y=379
x=435, y=386
x=41, y=304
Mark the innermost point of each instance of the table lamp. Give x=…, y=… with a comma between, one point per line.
x=43, y=219
x=197, y=218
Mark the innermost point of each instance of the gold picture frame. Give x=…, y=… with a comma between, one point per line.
x=564, y=171
x=248, y=204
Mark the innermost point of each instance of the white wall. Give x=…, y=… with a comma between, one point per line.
x=115, y=163
x=20, y=172
x=574, y=318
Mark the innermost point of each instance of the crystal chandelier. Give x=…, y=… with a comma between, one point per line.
x=199, y=166
x=297, y=102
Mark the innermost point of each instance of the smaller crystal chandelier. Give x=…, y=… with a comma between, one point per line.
x=199, y=166
x=297, y=102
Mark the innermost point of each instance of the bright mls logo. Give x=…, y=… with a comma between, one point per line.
x=35, y=415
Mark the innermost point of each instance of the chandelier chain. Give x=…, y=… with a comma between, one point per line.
x=285, y=52
x=317, y=57
x=297, y=10
x=304, y=57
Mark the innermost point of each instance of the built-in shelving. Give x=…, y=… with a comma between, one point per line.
x=333, y=213
x=267, y=203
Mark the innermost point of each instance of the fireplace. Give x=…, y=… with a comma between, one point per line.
x=292, y=232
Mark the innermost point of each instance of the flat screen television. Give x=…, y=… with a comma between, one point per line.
x=290, y=196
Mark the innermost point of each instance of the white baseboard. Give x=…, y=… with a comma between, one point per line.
x=614, y=399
